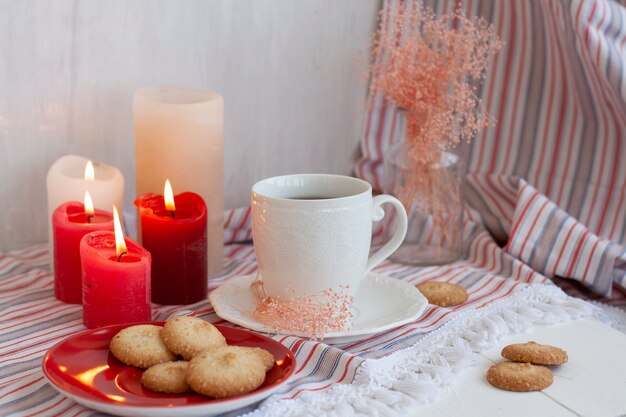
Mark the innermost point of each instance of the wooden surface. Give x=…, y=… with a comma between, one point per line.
x=591, y=384
x=68, y=70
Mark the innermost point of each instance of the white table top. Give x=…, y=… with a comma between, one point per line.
x=591, y=384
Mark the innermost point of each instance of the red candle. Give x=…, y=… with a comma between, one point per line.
x=176, y=237
x=116, y=279
x=70, y=222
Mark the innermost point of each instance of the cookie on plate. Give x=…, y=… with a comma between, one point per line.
x=226, y=371
x=187, y=336
x=266, y=358
x=140, y=346
x=519, y=377
x=443, y=294
x=167, y=377
x=536, y=353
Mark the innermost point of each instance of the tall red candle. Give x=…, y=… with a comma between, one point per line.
x=116, y=288
x=177, y=241
x=70, y=222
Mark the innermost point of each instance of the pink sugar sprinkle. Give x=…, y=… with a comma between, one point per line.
x=311, y=315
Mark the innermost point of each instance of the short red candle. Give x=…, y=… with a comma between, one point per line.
x=115, y=289
x=178, y=246
x=69, y=224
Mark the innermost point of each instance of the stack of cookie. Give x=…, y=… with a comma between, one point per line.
x=210, y=366
x=528, y=367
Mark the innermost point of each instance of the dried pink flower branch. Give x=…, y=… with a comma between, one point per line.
x=429, y=66
x=311, y=315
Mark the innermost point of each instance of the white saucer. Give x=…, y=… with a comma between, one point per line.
x=381, y=303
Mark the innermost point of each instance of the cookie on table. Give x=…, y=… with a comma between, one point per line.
x=536, y=353
x=519, y=377
x=140, y=346
x=187, y=336
x=443, y=294
x=226, y=371
x=167, y=377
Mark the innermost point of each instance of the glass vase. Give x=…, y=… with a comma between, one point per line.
x=432, y=196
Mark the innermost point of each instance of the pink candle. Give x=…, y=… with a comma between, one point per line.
x=70, y=222
x=116, y=279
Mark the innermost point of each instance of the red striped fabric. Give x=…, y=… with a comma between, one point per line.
x=547, y=179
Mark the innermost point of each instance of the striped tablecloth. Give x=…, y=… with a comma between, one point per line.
x=547, y=197
x=506, y=295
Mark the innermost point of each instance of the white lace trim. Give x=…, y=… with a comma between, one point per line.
x=417, y=375
x=609, y=315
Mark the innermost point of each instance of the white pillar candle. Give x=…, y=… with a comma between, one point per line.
x=179, y=135
x=66, y=182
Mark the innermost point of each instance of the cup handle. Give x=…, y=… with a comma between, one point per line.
x=398, y=235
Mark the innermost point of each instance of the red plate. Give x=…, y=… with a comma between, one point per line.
x=82, y=368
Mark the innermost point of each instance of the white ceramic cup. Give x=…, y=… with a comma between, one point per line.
x=313, y=232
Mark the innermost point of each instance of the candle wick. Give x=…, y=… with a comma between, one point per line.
x=172, y=213
x=119, y=259
x=89, y=218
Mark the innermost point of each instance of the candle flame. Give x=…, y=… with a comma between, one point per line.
x=168, y=194
x=90, y=175
x=120, y=244
x=88, y=204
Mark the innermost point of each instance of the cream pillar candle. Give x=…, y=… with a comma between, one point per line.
x=179, y=135
x=68, y=179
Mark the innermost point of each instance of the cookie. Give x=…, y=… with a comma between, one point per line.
x=266, y=358
x=140, y=346
x=168, y=378
x=520, y=377
x=226, y=371
x=188, y=336
x=536, y=353
x=443, y=294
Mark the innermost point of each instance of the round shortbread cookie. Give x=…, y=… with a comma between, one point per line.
x=225, y=372
x=536, y=353
x=140, y=346
x=443, y=294
x=519, y=377
x=188, y=336
x=266, y=358
x=168, y=377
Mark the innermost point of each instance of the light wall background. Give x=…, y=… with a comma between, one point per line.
x=288, y=70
